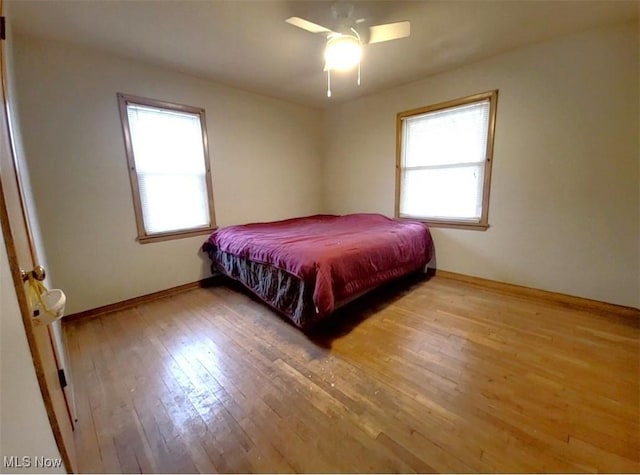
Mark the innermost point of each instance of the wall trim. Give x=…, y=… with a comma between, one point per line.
x=580, y=303
x=135, y=301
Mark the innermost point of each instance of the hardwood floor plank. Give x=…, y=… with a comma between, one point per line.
x=98, y=403
x=430, y=376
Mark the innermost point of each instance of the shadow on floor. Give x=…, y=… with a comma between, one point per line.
x=347, y=318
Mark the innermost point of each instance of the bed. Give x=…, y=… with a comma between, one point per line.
x=308, y=267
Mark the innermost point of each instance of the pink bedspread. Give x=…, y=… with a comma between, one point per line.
x=341, y=256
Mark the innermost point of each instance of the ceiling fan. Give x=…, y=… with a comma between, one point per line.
x=343, y=50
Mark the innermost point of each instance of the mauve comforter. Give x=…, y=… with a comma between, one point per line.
x=338, y=256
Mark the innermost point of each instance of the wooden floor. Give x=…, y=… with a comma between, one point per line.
x=429, y=376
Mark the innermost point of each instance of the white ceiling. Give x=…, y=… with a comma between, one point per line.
x=248, y=45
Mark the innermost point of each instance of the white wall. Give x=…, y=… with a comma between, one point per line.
x=265, y=156
x=564, y=209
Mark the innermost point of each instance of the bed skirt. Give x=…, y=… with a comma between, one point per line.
x=282, y=291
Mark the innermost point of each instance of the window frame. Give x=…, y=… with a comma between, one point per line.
x=483, y=223
x=143, y=237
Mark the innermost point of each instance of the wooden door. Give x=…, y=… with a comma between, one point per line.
x=22, y=257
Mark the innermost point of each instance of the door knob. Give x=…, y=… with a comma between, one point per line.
x=37, y=273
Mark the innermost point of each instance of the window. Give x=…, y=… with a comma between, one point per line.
x=168, y=160
x=444, y=160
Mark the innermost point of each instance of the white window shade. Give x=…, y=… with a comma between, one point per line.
x=170, y=163
x=443, y=158
x=447, y=137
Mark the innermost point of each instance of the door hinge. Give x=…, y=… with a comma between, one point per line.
x=3, y=35
x=62, y=378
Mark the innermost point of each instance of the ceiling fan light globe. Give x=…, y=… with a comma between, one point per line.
x=343, y=52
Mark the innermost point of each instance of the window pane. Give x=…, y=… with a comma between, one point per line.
x=443, y=192
x=445, y=137
x=166, y=141
x=170, y=165
x=173, y=202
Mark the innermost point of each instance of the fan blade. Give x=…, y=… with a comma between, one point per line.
x=390, y=31
x=307, y=25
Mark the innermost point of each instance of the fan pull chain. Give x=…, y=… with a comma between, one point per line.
x=328, y=82
x=358, y=73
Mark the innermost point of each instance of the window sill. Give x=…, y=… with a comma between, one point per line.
x=175, y=235
x=450, y=224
